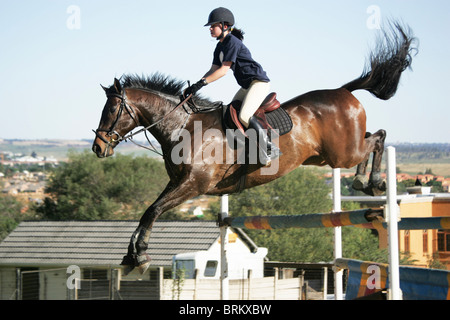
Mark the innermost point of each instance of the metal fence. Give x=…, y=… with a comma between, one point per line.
x=106, y=284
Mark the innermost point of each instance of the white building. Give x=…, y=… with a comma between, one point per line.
x=35, y=257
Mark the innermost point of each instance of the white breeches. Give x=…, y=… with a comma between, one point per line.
x=251, y=99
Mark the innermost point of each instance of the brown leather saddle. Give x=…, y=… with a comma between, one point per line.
x=270, y=115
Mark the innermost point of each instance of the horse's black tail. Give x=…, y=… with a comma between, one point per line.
x=392, y=56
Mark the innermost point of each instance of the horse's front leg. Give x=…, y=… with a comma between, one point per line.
x=171, y=197
x=132, y=260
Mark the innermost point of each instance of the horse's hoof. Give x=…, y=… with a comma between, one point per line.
x=368, y=191
x=376, y=192
x=381, y=185
x=127, y=269
x=143, y=267
x=378, y=187
x=360, y=183
x=128, y=263
x=143, y=263
x=372, y=190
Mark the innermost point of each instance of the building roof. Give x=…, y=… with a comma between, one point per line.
x=100, y=243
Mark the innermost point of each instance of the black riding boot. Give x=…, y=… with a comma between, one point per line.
x=267, y=150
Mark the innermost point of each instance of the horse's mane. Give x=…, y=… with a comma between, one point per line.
x=161, y=83
x=156, y=82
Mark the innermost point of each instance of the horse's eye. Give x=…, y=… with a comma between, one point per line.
x=112, y=108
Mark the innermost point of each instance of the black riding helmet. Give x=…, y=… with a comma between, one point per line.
x=222, y=15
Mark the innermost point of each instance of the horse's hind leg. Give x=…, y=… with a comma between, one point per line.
x=361, y=181
x=374, y=185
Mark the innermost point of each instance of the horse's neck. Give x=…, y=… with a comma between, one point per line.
x=158, y=111
x=162, y=109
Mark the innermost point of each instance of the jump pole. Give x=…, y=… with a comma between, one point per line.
x=392, y=217
x=338, y=273
x=224, y=280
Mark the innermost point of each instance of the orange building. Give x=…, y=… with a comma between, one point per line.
x=424, y=246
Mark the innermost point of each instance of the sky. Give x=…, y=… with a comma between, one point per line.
x=55, y=54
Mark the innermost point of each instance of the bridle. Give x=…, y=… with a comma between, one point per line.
x=127, y=106
x=112, y=130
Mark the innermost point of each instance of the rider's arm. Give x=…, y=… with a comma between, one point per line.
x=216, y=72
x=214, y=67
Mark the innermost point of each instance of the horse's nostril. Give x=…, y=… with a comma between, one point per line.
x=96, y=148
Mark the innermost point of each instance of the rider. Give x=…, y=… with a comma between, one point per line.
x=231, y=53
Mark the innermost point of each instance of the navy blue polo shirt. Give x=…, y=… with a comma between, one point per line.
x=245, y=69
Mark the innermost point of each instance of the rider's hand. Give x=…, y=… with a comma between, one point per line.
x=195, y=87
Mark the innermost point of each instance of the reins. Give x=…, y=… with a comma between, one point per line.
x=129, y=137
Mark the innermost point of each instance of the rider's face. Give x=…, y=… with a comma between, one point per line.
x=216, y=30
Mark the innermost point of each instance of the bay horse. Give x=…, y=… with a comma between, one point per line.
x=329, y=128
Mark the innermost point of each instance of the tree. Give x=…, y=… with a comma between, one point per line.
x=10, y=214
x=362, y=244
x=303, y=191
x=436, y=186
x=88, y=188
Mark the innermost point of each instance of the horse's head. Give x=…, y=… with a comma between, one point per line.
x=114, y=123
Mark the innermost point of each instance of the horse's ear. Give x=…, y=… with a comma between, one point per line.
x=117, y=85
x=104, y=88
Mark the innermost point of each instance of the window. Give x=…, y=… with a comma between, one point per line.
x=211, y=267
x=407, y=247
x=184, y=268
x=30, y=283
x=425, y=241
x=444, y=240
